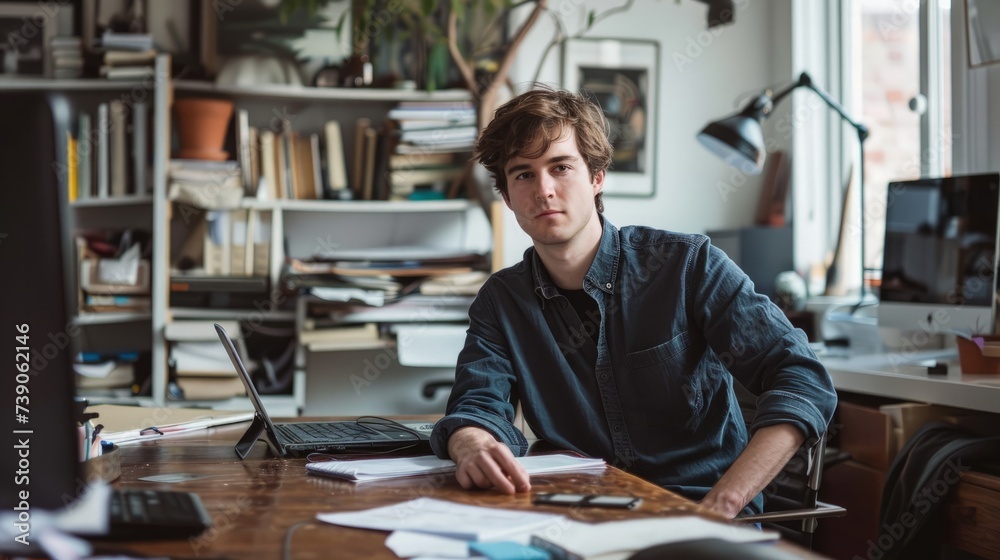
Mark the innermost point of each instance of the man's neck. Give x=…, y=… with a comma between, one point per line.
x=567, y=263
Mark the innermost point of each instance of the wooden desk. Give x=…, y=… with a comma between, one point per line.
x=253, y=503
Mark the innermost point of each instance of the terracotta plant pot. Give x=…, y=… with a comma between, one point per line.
x=974, y=359
x=201, y=126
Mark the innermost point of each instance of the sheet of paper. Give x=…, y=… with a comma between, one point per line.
x=407, y=544
x=366, y=470
x=588, y=540
x=447, y=519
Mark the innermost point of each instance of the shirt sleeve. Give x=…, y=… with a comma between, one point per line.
x=757, y=344
x=484, y=380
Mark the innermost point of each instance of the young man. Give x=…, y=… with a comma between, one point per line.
x=619, y=343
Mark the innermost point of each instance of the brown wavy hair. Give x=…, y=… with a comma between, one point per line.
x=527, y=124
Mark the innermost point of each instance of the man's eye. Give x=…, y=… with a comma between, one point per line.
x=522, y=176
x=562, y=168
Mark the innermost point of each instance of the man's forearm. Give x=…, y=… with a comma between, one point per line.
x=764, y=457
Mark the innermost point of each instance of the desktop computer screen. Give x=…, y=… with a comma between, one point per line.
x=940, y=258
x=40, y=458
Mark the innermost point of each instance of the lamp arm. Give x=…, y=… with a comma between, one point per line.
x=805, y=80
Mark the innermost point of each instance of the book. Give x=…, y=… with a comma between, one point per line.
x=140, y=155
x=316, y=166
x=342, y=337
x=210, y=388
x=72, y=183
x=261, y=235
x=368, y=181
x=415, y=161
x=620, y=539
x=336, y=168
x=243, y=150
x=85, y=157
x=103, y=151
x=117, y=157
x=358, y=165
x=269, y=165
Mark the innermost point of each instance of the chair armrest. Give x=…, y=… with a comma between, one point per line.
x=820, y=511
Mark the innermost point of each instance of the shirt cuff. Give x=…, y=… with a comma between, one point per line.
x=503, y=431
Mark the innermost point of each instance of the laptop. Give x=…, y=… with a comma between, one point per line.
x=298, y=439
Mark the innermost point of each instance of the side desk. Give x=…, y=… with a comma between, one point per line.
x=971, y=513
x=897, y=375
x=254, y=503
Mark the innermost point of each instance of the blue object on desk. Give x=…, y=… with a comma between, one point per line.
x=507, y=550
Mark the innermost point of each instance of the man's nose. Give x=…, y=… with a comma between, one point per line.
x=546, y=186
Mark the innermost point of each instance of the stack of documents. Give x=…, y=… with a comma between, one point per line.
x=438, y=528
x=365, y=470
x=446, y=519
x=620, y=539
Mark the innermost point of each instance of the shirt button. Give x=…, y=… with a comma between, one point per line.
x=604, y=377
x=618, y=428
x=608, y=285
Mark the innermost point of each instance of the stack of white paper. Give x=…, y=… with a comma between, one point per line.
x=446, y=519
x=365, y=470
x=620, y=539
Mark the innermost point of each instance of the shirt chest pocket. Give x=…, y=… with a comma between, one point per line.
x=667, y=391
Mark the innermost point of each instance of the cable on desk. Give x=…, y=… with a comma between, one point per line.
x=286, y=549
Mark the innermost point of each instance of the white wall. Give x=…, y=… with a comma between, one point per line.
x=704, y=75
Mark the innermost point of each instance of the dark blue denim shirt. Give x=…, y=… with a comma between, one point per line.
x=679, y=320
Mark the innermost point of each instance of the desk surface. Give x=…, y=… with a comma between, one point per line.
x=898, y=375
x=254, y=502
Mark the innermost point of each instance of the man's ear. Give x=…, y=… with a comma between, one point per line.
x=506, y=200
x=599, y=181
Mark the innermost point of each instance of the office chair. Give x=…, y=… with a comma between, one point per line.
x=791, y=506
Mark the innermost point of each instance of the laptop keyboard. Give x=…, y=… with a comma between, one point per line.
x=326, y=432
x=156, y=514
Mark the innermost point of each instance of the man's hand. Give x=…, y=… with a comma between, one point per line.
x=484, y=462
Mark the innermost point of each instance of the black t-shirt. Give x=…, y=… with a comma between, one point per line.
x=586, y=309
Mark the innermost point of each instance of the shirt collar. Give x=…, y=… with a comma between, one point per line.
x=602, y=271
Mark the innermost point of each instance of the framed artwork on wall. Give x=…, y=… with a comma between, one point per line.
x=622, y=76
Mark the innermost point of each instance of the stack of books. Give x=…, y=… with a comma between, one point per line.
x=67, y=57
x=127, y=56
x=205, y=184
x=108, y=155
x=433, y=142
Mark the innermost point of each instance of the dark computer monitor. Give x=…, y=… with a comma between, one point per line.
x=940, y=254
x=40, y=458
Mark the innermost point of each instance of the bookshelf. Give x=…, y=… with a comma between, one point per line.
x=300, y=227
x=297, y=227
x=75, y=104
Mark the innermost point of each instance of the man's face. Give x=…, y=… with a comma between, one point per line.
x=552, y=196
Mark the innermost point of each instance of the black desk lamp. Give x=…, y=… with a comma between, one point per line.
x=739, y=140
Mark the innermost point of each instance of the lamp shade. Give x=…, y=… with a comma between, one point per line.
x=738, y=140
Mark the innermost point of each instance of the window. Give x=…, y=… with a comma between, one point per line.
x=897, y=75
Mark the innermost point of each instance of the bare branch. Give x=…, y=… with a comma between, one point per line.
x=508, y=57
x=560, y=36
x=468, y=75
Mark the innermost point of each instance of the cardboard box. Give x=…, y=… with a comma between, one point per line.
x=865, y=433
x=906, y=418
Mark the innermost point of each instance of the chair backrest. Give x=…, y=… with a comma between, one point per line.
x=791, y=504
